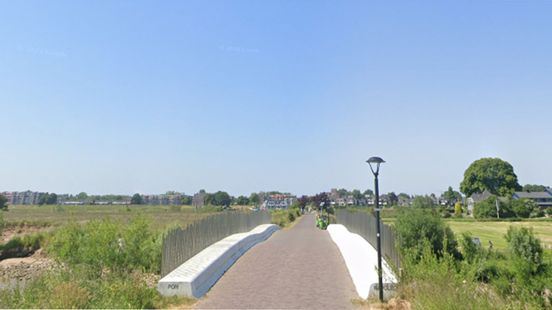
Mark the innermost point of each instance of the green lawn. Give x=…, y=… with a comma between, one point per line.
x=161, y=216
x=495, y=231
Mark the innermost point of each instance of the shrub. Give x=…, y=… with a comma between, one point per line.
x=487, y=209
x=69, y=295
x=423, y=202
x=283, y=218
x=526, y=248
x=486, y=272
x=537, y=213
x=458, y=209
x=523, y=207
x=429, y=282
x=291, y=216
x=79, y=288
x=107, y=244
x=417, y=226
x=470, y=250
x=549, y=211
x=3, y=203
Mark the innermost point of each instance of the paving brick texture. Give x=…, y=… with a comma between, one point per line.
x=297, y=268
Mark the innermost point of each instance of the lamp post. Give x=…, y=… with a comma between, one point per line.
x=377, y=161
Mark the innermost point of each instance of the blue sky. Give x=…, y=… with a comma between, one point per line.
x=243, y=96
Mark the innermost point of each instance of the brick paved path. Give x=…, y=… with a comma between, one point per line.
x=297, y=268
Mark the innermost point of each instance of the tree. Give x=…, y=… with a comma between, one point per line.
x=186, y=200
x=523, y=207
x=342, y=192
x=404, y=196
x=357, y=194
x=303, y=201
x=492, y=174
x=254, y=199
x=487, y=208
x=452, y=196
x=321, y=198
x=82, y=196
x=393, y=198
x=423, y=202
x=218, y=199
x=533, y=188
x=3, y=203
x=242, y=201
x=51, y=199
x=368, y=192
x=136, y=199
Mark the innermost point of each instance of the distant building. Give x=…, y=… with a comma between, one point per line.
x=163, y=199
x=475, y=198
x=23, y=198
x=542, y=199
x=198, y=201
x=278, y=201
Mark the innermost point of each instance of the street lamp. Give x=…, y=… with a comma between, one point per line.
x=377, y=161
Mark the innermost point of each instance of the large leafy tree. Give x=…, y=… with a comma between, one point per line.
x=492, y=174
x=218, y=199
x=254, y=199
x=136, y=199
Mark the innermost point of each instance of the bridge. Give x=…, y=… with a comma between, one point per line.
x=296, y=268
x=299, y=267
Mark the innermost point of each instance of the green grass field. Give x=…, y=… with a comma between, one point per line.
x=495, y=231
x=161, y=216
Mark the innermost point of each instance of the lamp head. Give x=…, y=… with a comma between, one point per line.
x=376, y=161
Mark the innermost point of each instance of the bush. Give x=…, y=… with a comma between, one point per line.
x=470, y=250
x=526, y=248
x=429, y=282
x=107, y=244
x=537, y=213
x=415, y=227
x=523, y=207
x=283, y=218
x=458, y=209
x=291, y=216
x=487, y=209
x=423, y=202
x=79, y=288
x=549, y=211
